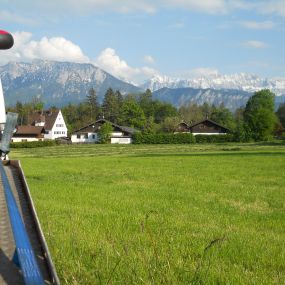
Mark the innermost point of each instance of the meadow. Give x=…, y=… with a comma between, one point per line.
x=161, y=214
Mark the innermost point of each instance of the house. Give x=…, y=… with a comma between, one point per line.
x=28, y=134
x=203, y=127
x=52, y=121
x=89, y=133
x=182, y=128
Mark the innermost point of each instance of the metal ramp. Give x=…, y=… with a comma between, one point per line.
x=24, y=256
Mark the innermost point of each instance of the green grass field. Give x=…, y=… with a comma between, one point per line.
x=165, y=214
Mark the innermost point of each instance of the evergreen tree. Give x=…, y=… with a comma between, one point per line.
x=146, y=103
x=91, y=100
x=118, y=106
x=110, y=105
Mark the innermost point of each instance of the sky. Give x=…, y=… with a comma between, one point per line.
x=136, y=40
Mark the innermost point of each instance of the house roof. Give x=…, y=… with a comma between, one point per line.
x=207, y=120
x=29, y=130
x=95, y=127
x=48, y=117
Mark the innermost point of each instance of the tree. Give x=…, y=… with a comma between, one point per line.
x=110, y=105
x=146, y=103
x=163, y=110
x=37, y=104
x=105, y=132
x=259, y=116
x=191, y=113
x=207, y=110
x=223, y=116
x=150, y=126
x=281, y=114
x=170, y=124
x=91, y=100
x=132, y=114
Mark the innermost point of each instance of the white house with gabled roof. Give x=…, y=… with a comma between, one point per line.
x=52, y=121
x=89, y=133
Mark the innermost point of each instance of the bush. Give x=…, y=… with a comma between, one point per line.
x=140, y=138
x=214, y=138
x=33, y=144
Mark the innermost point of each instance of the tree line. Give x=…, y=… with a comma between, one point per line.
x=256, y=121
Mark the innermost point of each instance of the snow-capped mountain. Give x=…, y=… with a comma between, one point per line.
x=57, y=83
x=231, y=98
x=242, y=81
x=60, y=83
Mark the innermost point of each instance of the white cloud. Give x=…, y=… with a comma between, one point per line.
x=208, y=6
x=109, y=61
x=61, y=49
x=266, y=25
x=254, y=44
x=55, y=48
x=272, y=7
x=149, y=59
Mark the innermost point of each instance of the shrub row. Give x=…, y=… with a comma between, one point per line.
x=140, y=138
x=214, y=138
x=33, y=144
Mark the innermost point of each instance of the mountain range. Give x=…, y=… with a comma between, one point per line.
x=57, y=83
x=60, y=83
x=240, y=81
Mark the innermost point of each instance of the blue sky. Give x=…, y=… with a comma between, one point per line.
x=137, y=40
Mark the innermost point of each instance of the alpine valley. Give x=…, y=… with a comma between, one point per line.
x=60, y=83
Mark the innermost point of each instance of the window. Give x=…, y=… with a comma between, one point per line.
x=63, y=133
x=86, y=136
x=78, y=136
x=59, y=125
x=93, y=137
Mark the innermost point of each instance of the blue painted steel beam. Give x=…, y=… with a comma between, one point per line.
x=24, y=254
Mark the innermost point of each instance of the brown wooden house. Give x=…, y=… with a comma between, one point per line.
x=203, y=127
x=182, y=128
x=28, y=134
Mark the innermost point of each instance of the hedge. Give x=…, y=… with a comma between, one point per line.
x=140, y=138
x=33, y=144
x=214, y=138
x=182, y=138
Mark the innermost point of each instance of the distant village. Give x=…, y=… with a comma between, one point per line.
x=50, y=125
x=119, y=118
